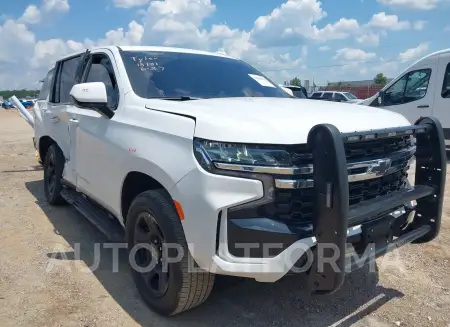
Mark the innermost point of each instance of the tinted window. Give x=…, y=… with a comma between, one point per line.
x=299, y=94
x=446, y=85
x=338, y=96
x=173, y=74
x=101, y=70
x=411, y=87
x=327, y=95
x=350, y=95
x=316, y=95
x=67, y=78
x=45, y=88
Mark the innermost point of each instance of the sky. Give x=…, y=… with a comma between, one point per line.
x=321, y=41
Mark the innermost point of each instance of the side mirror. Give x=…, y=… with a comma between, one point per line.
x=92, y=96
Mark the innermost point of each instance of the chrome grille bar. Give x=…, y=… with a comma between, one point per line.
x=357, y=171
x=374, y=169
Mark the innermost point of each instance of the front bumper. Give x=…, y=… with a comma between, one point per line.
x=332, y=213
x=206, y=199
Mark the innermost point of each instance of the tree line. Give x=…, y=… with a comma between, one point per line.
x=6, y=94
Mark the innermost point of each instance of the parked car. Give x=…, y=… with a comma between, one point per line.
x=335, y=96
x=288, y=91
x=27, y=103
x=422, y=89
x=205, y=166
x=7, y=105
x=298, y=91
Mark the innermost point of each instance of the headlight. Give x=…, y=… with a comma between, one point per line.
x=209, y=153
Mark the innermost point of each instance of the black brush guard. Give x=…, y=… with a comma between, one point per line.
x=333, y=215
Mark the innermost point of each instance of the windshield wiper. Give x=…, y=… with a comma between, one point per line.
x=180, y=98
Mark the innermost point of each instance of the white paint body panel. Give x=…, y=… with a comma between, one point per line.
x=146, y=136
x=275, y=120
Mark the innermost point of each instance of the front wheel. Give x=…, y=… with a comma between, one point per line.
x=164, y=279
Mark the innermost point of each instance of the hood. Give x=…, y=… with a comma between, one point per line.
x=354, y=100
x=275, y=120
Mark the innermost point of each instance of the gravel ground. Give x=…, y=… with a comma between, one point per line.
x=44, y=282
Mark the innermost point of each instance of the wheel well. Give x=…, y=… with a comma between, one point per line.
x=44, y=144
x=134, y=184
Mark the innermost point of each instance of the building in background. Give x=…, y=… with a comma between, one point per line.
x=361, y=89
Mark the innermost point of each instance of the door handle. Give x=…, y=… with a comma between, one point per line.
x=54, y=119
x=423, y=106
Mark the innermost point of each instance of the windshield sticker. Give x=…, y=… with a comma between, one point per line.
x=148, y=63
x=261, y=80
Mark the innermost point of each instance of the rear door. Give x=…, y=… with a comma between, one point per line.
x=328, y=96
x=59, y=114
x=412, y=95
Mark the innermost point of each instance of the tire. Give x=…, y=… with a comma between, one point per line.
x=53, y=169
x=184, y=290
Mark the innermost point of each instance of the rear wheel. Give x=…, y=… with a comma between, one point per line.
x=53, y=170
x=167, y=286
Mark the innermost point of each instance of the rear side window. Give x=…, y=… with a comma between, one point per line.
x=340, y=97
x=446, y=85
x=316, y=95
x=67, y=78
x=327, y=95
x=45, y=88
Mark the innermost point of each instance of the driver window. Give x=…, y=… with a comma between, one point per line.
x=101, y=70
x=411, y=87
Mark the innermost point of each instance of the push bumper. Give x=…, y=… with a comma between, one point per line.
x=333, y=215
x=337, y=228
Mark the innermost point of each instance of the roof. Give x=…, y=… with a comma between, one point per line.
x=154, y=49
x=431, y=55
x=293, y=87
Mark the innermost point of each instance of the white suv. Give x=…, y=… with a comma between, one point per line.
x=335, y=96
x=197, y=157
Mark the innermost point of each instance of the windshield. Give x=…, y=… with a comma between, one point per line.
x=174, y=74
x=350, y=95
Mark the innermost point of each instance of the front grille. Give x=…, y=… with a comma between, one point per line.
x=296, y=205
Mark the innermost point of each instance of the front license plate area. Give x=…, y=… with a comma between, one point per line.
x=378, y=232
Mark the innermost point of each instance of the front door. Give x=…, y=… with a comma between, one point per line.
x=96, y=156
x=441, y=108
x=412, y=95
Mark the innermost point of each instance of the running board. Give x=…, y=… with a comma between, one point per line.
x=99, y=217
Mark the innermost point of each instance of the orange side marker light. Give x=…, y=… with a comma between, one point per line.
x=179, y=209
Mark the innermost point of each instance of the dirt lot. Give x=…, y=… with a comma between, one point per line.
x=44, y=283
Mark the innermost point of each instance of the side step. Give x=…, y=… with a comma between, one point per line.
x=99, y=217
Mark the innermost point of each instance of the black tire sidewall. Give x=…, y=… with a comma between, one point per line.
x=55, y=197
x=166, y=217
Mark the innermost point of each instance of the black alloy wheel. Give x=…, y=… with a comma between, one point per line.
x=149, y=240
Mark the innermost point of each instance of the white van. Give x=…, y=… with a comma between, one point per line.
x=423, y=89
